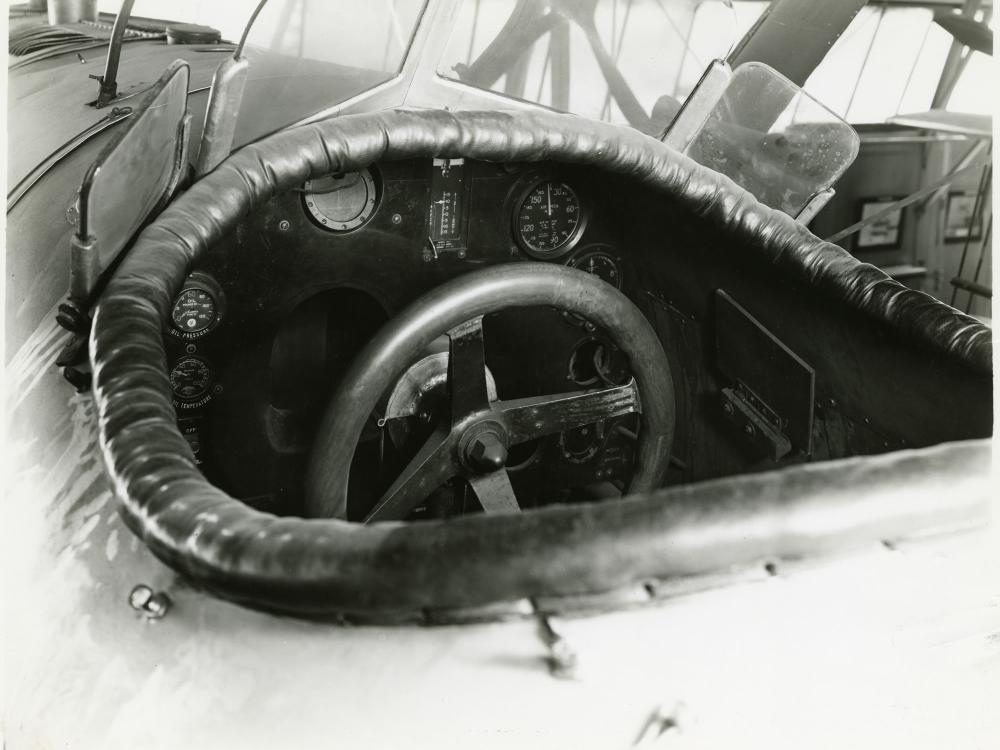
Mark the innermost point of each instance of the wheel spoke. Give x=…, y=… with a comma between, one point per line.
x=530, y=418
x=467, y=370
x=428, y=470
x=495, y=492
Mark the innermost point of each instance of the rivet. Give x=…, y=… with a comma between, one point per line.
x=150, y=603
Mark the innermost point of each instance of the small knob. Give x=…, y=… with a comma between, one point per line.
x=487, y=452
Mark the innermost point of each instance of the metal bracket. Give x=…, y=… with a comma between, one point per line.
x=698, y=106
x=754, y=426
x=815, y=205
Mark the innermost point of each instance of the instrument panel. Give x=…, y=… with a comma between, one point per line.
x=259, y=333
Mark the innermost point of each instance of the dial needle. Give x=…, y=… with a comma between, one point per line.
x=548, y=195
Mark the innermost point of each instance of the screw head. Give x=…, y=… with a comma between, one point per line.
x=397, y=219
x=284, y=225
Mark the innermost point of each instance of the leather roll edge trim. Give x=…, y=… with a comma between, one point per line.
x=321, y=568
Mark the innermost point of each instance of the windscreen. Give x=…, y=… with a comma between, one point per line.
x=772, y=138
x=307, y=56
x=133, y=174
x=622, y=61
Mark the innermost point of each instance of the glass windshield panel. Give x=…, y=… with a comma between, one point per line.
x=365, y=35
x=773, y=139
x=622, y=61
x=309, y=55
x=132, y=176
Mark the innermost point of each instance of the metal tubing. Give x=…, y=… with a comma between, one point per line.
x=108, y=88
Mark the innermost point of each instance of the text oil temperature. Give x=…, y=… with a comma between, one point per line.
x=190, y=380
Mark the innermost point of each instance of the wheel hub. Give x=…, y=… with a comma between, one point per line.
x=483, y=446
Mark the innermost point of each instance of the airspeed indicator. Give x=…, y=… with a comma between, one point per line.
x=548, y=219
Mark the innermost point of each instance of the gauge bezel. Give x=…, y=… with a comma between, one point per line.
x=203, y=396
x=371, y=207
x=604, y=251
x=570, y=242
x=201, y=281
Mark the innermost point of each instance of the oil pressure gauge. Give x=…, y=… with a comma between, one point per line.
x=194, y=311
x=198, y=308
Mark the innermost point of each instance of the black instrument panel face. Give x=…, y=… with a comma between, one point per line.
x=262, y=330
x=548, y=218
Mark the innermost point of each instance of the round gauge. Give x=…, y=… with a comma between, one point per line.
x=341, y=202
x=548, y=219
x=600, y=264
x=194, y=310
x=198, y=308
x=190, y=378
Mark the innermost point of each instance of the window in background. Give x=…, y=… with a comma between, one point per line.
x=371, y=35
x=714, y=19
x=618, y=63
x=976, y=87
x=888, y=62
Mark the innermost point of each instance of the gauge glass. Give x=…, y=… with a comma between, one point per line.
x=341, y=202
x=190, y=378
x=194, y=311
x=548, y=219
x=601, y=265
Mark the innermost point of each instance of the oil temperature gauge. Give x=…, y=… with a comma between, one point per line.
x=190, y=379
x=601, y=264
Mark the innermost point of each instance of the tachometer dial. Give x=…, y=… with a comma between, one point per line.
x=194, y=310
x=548, y=219
x=341, y=202
x=600, y=264
x=190, y=378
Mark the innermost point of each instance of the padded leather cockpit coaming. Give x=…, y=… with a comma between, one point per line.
x=323, y=567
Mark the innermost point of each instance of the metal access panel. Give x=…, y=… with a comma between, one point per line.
x=771, y=379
